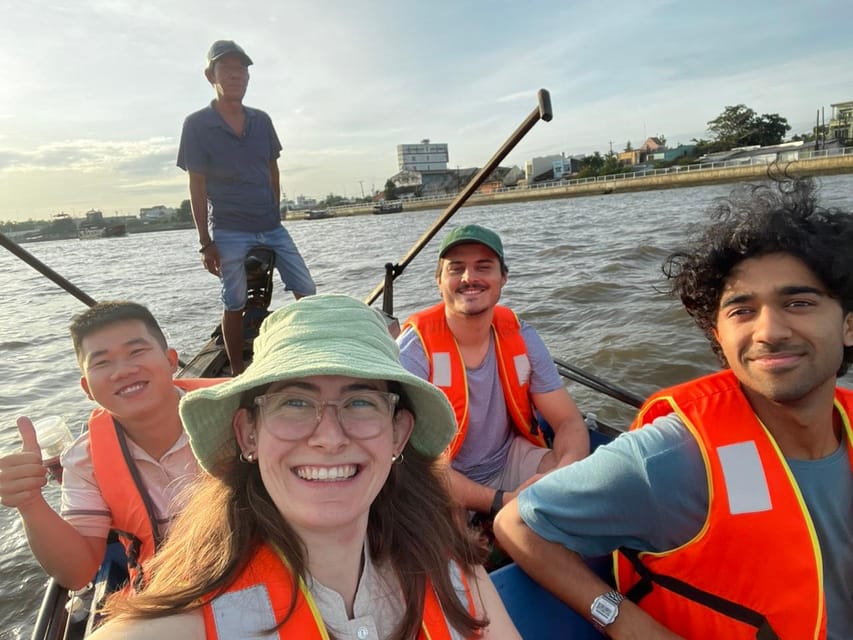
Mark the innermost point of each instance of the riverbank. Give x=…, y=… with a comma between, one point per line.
x=672, y=178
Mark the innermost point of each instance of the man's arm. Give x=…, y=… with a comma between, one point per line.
x=571, y=437
x=198, y=204
x=275, y=182
x=566, y=575
x=470, y=494
x=65, y=554
x=489, y=604
x=62, y=551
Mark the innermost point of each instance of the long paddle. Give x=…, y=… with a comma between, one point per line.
x=541, y=112
x=594, y=382
x=42, y=268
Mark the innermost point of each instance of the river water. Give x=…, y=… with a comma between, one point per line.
x=583, y=271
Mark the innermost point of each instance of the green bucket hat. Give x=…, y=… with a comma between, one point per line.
x=472, y=234
x=321, y=335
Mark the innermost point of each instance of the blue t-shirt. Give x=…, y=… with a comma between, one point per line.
x=483, y=454
x=236, y=168
x=647, y=490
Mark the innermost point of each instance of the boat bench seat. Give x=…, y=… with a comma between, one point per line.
x=536, y=612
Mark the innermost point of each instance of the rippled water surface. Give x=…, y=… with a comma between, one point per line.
x=583, y=271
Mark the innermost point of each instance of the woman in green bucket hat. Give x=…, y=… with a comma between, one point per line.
x=324, y=512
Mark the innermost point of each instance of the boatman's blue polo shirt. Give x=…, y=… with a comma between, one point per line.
x=237, y=168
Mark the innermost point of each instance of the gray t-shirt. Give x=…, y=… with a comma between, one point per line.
x=647, y=491
x=483, y=453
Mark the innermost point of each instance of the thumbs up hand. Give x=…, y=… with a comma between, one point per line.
x=21, y=474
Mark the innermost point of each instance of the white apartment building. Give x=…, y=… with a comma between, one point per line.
x=156, y=212
x=536, y=167
x=424, y=156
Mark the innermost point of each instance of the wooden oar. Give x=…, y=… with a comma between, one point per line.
x=42, y=268
x=541, y=112
x=594, y=382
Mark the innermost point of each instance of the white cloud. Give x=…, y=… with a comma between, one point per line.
x=102, y=86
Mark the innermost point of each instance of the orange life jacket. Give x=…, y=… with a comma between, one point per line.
x=756, y=515
x=132, y=513
x=447, y=369
x=261, y=595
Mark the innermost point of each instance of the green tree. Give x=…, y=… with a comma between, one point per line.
x=811, y=136
x=738, y=126
x=184, y=212
x=390, y=190
x=628, y=146
x=332, y=199
x=590, y=166
x=611, y=165
x=732, y=127
x=770, y=129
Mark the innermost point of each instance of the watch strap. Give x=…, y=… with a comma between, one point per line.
x=614, y=598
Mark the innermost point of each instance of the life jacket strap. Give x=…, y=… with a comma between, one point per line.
x=721, y=605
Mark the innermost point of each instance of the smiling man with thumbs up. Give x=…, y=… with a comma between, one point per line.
x=125, y=470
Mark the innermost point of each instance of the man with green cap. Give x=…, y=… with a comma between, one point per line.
x=497, y=374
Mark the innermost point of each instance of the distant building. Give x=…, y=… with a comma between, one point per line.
x=537, y=169
x=566, y=166
x=642, y=153
x=652, y=144
x=425, y=156
x=407, y=179
x=157, y=212
x=671, y=155
x=782, y=153
x=841, y=124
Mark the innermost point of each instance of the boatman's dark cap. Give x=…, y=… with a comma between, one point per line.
x=472, y=234
x=223, y=48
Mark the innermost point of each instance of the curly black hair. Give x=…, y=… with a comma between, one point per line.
x=757, y=220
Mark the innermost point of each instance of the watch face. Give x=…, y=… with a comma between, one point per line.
x=604, y=611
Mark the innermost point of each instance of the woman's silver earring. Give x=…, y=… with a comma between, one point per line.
x=248, y=458
x=397, y=458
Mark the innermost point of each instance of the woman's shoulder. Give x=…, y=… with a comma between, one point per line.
x=187, y=626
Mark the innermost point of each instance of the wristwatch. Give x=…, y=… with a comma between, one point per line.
x=605, y=608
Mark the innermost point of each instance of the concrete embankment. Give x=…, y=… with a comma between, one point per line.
x=675, y=178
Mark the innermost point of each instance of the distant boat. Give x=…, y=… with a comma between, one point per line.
x=317, y=214
x=95, y=227
x=88, y=232
x=388, y=206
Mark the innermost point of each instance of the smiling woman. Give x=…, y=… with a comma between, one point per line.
x=322, y=521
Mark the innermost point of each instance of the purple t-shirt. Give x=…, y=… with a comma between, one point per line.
x=483, y=454
x=236, y=168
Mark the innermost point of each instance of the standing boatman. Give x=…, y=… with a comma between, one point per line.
x=231, y=154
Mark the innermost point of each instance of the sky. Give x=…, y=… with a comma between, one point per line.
x=94, y=92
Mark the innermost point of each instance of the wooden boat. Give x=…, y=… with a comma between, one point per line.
x=95, y=227
x=388, y=206
x=318, y=214
x=68, y=616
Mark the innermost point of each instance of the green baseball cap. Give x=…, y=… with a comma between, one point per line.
x=472, y=234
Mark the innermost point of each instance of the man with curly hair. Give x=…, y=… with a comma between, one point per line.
x=729, y=505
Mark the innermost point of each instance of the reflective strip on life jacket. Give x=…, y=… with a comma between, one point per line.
x=261, y=595
x=755, y=510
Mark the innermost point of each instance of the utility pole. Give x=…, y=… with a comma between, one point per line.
x=361, y=183
x=611, y=147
